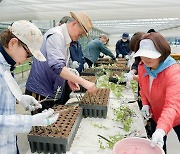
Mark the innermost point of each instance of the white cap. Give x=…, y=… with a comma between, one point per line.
x=30, y=35
x=147, y=49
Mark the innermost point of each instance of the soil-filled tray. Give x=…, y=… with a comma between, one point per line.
x=117, y=68
x=113, y=77
x=104, y=61
x=95, y=105
x=58, y=137
x=121, y=61
x=92, y=72
x=89, y=78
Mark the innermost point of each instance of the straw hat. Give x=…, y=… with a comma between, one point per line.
x=83, y=20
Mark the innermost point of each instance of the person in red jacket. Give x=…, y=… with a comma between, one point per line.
x=159, y=80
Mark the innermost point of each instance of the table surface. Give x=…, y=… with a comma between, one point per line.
x=86, y=140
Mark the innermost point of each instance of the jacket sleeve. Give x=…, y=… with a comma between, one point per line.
x=55, y=56
x=106, y=51
x=117, y=48
x=171, y=109
x=134, y=66
x=15, y=123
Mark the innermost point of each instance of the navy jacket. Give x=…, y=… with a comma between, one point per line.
x=122, y=48
x=77, y=55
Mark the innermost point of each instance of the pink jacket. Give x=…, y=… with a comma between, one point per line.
x=164, y=97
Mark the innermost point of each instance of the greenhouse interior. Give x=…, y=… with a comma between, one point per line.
x=90, y=77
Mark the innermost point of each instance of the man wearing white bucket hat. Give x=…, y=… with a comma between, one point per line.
x=159, y=80
x=47, y=77
x=17, y=43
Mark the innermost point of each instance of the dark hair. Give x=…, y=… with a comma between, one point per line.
x=134, y=39
x=6, y=36
x=151, y=30
x=64, y=20
x=160, y=44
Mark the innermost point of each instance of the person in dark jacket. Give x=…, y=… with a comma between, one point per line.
x=76, y=55
x=122, y=46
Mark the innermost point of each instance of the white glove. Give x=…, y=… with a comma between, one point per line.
x=74, y=71
x=132, y=54
x=45, y=118
x=29, y=103
x=120, y=55
x=127, y=57
x=129, y=76
x=157, y=138
x=101, y=54
x=146, y=112
x=86, y=66
x=75, y=64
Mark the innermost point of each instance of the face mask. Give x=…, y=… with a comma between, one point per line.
x=124, y=40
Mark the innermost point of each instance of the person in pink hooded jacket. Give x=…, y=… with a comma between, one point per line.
x=159, y=80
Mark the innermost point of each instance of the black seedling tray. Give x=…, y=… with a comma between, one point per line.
x=54, y=144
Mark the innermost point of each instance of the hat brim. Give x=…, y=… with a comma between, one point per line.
x=76, y=18
x=37, y=54
x=147, y=53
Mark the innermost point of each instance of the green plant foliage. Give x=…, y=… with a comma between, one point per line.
x=101, y=146
x=134, y=85
x=100, y=126
x=115, y=88
x=112, y=140
x=58, y=91
x=124, y=115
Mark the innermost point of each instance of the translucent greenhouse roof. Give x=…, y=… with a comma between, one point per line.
x=111, y=16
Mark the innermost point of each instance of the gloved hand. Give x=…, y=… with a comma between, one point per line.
x=157, y=138
x=86, y=66
x=45, y=118
x=127, y=57
x=120, y=55
x=146, y=112
x=75, y=65
x=74, y=71
x=129, y=76
x=114, y=58
x=101, y=55
x=29, y=103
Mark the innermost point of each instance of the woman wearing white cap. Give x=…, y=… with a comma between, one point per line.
x=159, y=79
x=17, y=43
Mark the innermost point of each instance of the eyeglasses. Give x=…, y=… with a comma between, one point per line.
x=26, y=49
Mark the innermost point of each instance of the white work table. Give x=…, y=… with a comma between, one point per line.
x=86, y=140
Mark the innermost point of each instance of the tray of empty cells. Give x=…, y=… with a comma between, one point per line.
x=57, y=137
